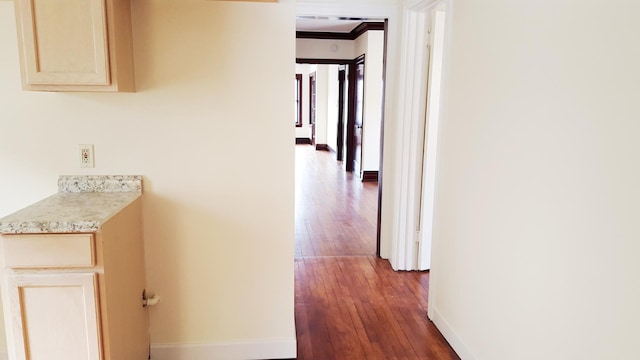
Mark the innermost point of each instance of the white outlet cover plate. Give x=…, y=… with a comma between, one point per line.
x=86, y=156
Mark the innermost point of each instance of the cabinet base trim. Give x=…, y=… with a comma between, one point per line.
x=258, y=349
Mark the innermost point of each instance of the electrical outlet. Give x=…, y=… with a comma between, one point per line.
x=86, y=156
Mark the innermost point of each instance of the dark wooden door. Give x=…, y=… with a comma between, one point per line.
x=359, y=118
x=355, y=119
x=342, y=77
x=298, y=100
x=312, y=106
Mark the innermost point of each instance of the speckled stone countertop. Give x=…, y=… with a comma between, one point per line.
x=82, y=204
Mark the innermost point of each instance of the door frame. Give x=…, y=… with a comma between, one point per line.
x=391, y=13
x=401, y=153
x=396, y=151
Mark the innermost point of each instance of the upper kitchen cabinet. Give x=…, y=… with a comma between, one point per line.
x=75, y=45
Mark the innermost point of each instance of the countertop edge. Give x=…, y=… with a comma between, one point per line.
x=66, y=226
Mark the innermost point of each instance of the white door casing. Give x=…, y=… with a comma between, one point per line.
x=415, y=141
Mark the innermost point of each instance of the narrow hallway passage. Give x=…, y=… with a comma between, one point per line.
x=349, y=304
x=335, y=214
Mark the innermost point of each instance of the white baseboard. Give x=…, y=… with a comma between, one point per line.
x=240, y=350
x=451, y=336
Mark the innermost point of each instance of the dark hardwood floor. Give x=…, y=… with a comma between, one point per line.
x=336, y=215
x=349, y=304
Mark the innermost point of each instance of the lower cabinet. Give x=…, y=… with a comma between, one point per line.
x=55, y=316
x=77, y=296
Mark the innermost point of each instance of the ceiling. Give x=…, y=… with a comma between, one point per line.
x=333, y=25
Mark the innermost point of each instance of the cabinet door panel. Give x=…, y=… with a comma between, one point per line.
x=65, y=41
x=55, y=316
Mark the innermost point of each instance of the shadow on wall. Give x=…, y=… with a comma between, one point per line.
x=196, y=29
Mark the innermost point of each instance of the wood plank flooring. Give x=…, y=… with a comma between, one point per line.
x=335, y=214
x=349, y=304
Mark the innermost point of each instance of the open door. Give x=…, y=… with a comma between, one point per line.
x=342, y=78
x=312, y=106
x=355, y=120
x=359, y=118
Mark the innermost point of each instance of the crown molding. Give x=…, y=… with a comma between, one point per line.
x=354, y=34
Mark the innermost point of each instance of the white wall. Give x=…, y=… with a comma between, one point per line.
x=326, y=104
x=332, y=106
x=536, y=220
x=219, y=248
x=325, y=49
x=322, y=90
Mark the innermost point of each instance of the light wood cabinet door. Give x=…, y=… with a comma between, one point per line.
x=65, y=42
x=55, y=316
x=75, y=45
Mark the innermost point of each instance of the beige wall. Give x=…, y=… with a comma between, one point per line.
x=219, y=247
x=536, y=237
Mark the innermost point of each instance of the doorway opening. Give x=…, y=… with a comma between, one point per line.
x=347, y=101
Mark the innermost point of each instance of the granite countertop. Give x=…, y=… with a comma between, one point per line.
x=82, y=204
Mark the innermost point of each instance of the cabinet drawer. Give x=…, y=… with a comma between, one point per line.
x=48, y=251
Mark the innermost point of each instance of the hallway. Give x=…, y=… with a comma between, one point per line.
x=335, y=215
x=349, y=304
